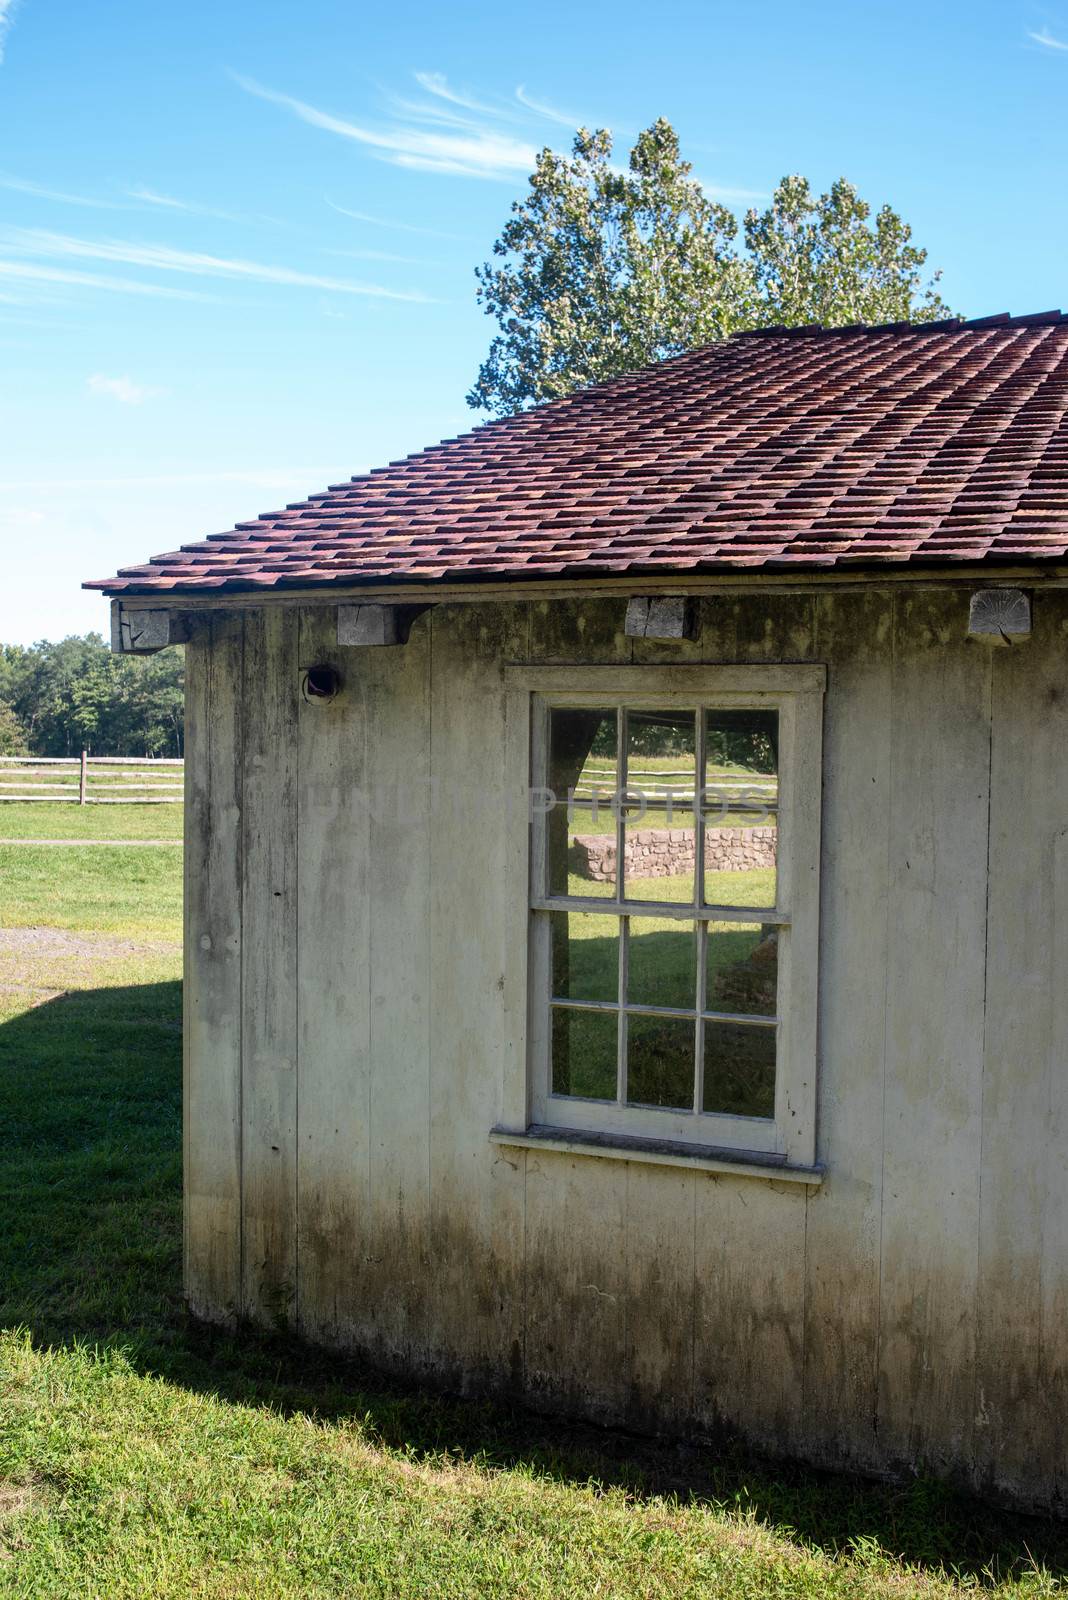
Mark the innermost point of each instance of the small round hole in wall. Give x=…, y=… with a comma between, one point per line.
x=321, y=683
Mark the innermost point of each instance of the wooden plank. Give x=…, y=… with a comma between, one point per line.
x=749, y=1309
x=269, y=1099
x=1053, y=1353
x=940, y=751
x=477, y=994
x=212, y=990
x=853, y=634
x=1019, y=1427
x=576, y=1285
x=641, y=684
x=954, y=577
x=333, y=920
x=391, y=1311
x=661, y=1289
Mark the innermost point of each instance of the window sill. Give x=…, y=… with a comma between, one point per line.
x=658, y=1152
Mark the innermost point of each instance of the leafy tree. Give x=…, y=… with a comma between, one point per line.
x=74, y=694
x=820, y=260
x=12, y=733
x=600, y=271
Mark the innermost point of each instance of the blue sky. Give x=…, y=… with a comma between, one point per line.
x=237, y=239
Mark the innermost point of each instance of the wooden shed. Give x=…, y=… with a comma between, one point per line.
x=627, y=903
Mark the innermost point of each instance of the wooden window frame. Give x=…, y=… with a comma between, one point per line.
x=788, y=1141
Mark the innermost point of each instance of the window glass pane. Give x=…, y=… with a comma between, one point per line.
x=661, y=963
x=741, y=800
x=579, y=801
x=739, y=1069
x=585, y=964
x=660, y=1061
x=742, y=969
x=659, y=801
x=585, y=1052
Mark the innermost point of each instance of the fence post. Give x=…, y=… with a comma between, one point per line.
x=82, y=778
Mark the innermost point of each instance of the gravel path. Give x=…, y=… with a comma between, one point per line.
x=129, y=844
x=61, y=942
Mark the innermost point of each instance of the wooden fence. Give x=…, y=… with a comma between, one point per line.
x=92, y=780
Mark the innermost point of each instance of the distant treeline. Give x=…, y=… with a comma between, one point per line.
x=60, y=699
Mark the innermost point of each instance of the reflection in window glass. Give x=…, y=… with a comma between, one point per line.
x=584, y=1053
x=741, y=805
x=660, y=1061
x=739, y=1069
x=660, y=832
x=661, y=963
x=580, y=832
x=585, y=956
x=742, y=969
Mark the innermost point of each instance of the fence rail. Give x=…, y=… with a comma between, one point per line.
x=92, y=780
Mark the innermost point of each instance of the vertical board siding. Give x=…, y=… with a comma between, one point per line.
x=270, y=996
x=333, y=917
x=356, y=987
x=397, y=1265
x=750, y=1309
x=476, y=1190
x=1016, y=1416
x=576, y=1288
x=940, y=755
x=1052, y=1310
x=212, y=989
x=843, y=1224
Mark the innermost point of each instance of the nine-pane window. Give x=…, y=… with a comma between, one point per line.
x=657, y=905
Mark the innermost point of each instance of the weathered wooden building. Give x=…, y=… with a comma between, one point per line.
x=627, y=902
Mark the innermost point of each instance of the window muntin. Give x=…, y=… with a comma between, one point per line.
x=684, y=964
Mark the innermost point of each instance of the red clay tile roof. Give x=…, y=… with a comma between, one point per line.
x=783, y=450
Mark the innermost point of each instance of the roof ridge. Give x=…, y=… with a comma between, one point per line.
x=998, y=320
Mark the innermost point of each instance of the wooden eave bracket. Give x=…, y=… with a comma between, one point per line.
x=137, y=632
x=365, y=624
x=661, y=617
x=1000, y=616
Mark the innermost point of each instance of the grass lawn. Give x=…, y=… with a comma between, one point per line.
x=141, y=1456
x=49, y=820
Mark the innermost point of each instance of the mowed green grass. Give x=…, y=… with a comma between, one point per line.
x=60, y=820
x=112, y=890
x=143, y=1456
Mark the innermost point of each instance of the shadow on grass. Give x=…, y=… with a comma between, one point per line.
x=90, y=1214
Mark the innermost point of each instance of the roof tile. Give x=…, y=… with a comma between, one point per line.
x=800, y=448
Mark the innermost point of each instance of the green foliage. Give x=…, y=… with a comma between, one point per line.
x=12, y=733
x=822, y=260
x=601, y=271
x=75, y=695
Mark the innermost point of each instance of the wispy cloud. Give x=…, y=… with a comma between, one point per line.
x=378, y=255
x=478, y=152
x=139, y=194
x=437, y=84
x=7, y=17
x=168, y=202
x=387, y=222
x=42, y=192
x=1047, y=40
x=124, y=389
x=162, y=258
x=729, y=196
x=35, y=272
x=542, y=108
